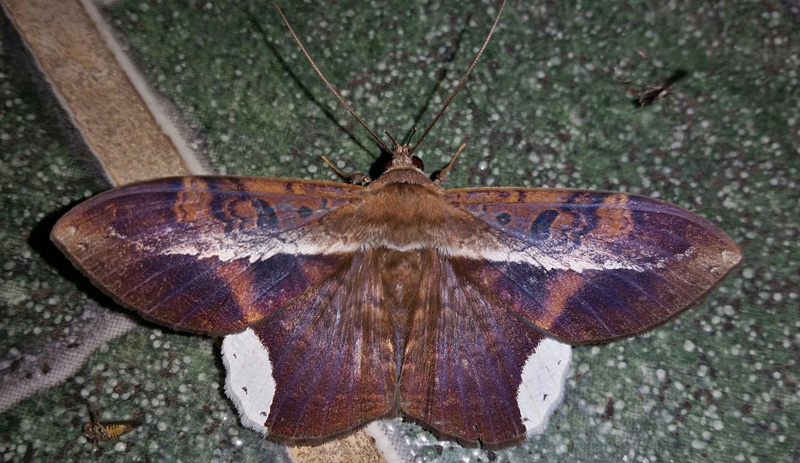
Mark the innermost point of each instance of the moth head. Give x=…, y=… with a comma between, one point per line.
x=403, y=159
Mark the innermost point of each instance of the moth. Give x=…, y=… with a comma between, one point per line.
x=343, y=303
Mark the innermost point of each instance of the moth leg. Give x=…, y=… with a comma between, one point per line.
x=356, y=179
x=442, y=175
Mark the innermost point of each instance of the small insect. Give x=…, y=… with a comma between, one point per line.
x=99, y=431
x=647, y=96
x=346, y=303
x=608, y=413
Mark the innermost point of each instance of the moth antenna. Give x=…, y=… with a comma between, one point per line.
x=446, y=170
x=356, y=178
x=463, y=79
x=325, y=79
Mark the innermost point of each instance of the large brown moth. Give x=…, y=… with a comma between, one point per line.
x=345, y=303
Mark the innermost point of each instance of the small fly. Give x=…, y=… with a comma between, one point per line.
x=647, y=96
x=99, y=431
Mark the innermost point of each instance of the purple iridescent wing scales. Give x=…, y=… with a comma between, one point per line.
x=327, y=356
x=209, y=255
x=464, y=370
x=588, y=266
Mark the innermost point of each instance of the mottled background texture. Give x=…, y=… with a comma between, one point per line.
x=545, y=107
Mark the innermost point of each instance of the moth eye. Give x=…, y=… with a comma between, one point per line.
x=388, y=165
x=417, y=163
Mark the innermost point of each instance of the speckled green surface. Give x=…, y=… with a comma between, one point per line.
x=544, y=108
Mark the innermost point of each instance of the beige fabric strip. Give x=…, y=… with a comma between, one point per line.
x=92, y=87
x=355, y=448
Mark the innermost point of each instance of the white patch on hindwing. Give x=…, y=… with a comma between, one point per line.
x=249, y=382
x=542, y=387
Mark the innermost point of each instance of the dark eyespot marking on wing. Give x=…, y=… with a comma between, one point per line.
x=267, y=218
x=304, y=211
x=540, y=227
x=503, y=218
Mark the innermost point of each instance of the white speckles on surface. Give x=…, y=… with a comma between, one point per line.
x=698, y=444
x=688, y=346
